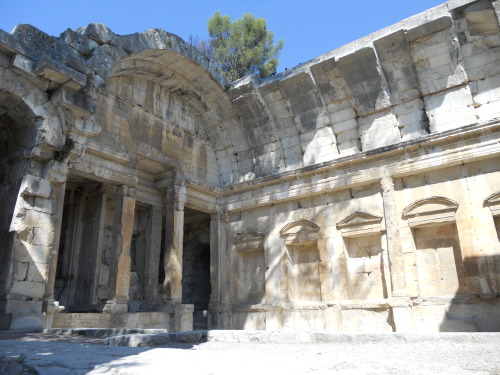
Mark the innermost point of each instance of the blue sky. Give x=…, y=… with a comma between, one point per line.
x=309, y=28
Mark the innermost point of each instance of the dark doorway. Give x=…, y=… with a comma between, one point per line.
x=196, y=265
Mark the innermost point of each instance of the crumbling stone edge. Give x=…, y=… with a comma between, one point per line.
x=293, y=337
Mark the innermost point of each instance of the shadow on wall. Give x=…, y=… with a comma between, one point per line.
x=476, y=312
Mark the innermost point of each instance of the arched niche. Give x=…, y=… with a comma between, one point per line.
x=303, y=260
x=367, y=264
x=300, y=232
x=430, y=211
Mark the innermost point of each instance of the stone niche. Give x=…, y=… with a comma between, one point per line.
x=251, y=267
x=493, y=202
x=301, y=240
x=366, y=262
x=438, y=256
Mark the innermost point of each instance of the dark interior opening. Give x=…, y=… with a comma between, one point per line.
x=196, y=287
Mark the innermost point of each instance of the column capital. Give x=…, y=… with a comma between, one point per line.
x=387, y=183
x=177, y=195
x=222, y=216
x=126, y=191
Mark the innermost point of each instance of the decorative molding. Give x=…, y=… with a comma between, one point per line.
x=300, y=232
x=249, y=240
x=493, y=202
x=430, y=211
x=360, y=224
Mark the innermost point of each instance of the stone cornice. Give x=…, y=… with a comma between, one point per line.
x=398, y=150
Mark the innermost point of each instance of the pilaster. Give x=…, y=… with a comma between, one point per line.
x=396, y=261
x=119, y=277
x=174, y=235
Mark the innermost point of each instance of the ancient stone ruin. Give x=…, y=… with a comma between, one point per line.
x=358, y=192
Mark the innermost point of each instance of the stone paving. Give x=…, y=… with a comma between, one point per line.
x=56, y=354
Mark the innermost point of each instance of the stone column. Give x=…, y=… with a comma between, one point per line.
x=400, y=301
x=220, y=299
x=396, y=262
x=50, y=306
x=274, y=261
x=174, y=235
x=214, y=264
x=119, y=276
x=153, y=248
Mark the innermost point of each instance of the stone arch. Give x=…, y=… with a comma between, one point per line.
x=430, y=211
x=22, y=100
x=199, y=93
x=30, y=135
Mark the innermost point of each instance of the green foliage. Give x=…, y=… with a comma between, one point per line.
x=242, y=47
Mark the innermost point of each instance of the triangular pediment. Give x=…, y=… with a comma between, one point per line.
x=359, y=218
x=248, y=235
x=249, y=240
x=493, y=202
x=493, y=199
x=430, y=206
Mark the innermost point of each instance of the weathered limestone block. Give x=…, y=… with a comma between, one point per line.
x=486, y=97
x=35, y=186
x=50, y=130
x=318, y=146
x=75, y=101
x=304, y=101
x=481, y=19
x=55, y=172
x=81, y=43
x=412, y=119
x=365, y=81
x=27, y=321
x=37, y=272
x=378, y=130
x=437, y=56
x=450, y=109
x=104, y=57
x=98, y=32
x=36, y=44
x=26, y=67
x=365, y=320
x=329, y=81
x=59, y=73
x=395, y=58
x=30, y=289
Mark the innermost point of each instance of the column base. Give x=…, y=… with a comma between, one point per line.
x=22, y=321
x=113, y=307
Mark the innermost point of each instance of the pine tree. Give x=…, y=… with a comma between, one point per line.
x=242, y=47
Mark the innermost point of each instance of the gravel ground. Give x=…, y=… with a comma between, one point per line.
x=65, y=354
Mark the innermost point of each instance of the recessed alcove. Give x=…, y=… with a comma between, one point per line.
x=438, y=255
x=251, y=267
x=365, y=260
x=301, y=240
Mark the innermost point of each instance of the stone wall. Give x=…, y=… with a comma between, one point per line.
x=358, y=191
